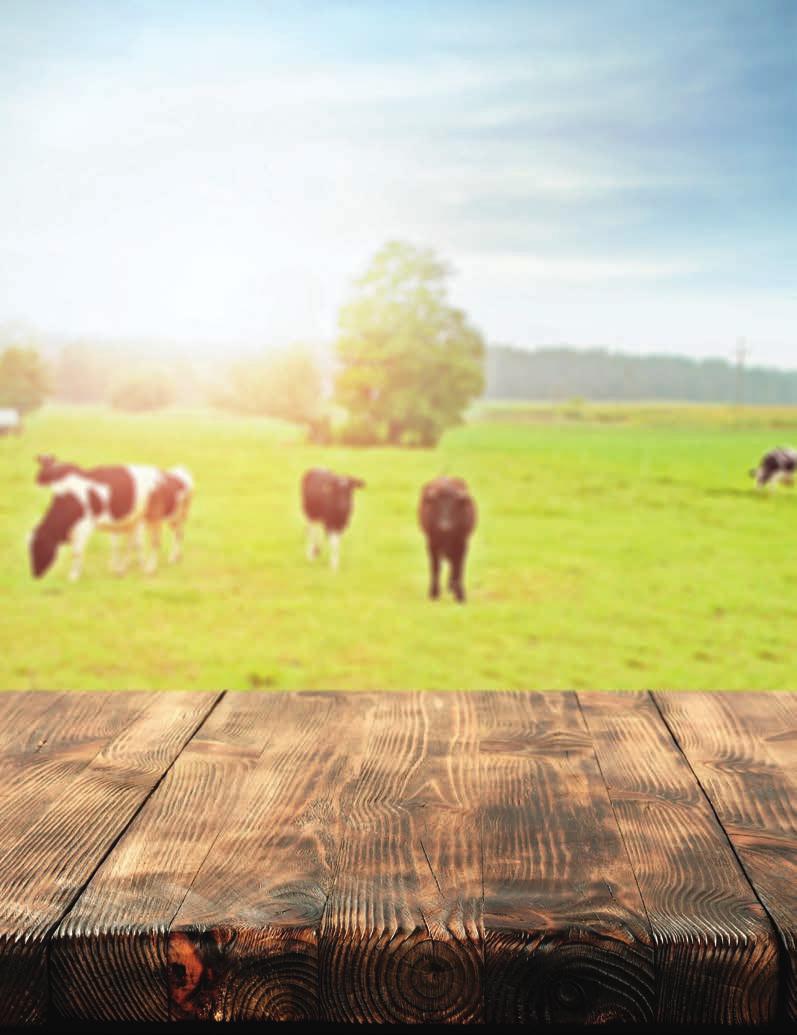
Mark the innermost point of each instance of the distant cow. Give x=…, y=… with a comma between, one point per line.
x=447, y=515
x=778, y=465
x=327, y=501
x=10, y=422
x=119, y=499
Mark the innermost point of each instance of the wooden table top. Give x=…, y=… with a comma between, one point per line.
x=398, y=856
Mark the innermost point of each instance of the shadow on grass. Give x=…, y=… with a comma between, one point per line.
x=748, y=494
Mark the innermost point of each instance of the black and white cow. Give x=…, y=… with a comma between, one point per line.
x=778, y=465
x=125, y=499
x=327, y=501
x=447, y=515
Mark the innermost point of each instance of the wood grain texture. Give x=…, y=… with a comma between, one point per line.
x=716, y=952
x=727, y=739
x=401, y=938
x=244, y=944
x=420, y=857
x=44, y=869
x=108, y=958
x=46, y=739
x=566, y=937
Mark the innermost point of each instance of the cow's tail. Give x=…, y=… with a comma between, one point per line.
x=183, y=475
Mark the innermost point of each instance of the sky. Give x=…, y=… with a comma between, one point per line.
x=615, y=173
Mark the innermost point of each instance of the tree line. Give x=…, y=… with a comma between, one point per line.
x=562, y=373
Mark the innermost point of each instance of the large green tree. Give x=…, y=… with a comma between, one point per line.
x=24, y=379
x=409, y=361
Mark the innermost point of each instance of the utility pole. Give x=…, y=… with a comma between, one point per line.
x=741, y=353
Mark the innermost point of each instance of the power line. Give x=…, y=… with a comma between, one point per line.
x=740, y=354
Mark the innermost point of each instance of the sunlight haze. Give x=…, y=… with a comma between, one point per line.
x=615, y=174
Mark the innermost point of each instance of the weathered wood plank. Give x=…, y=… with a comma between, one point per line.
x=716, y=952
x=21, y=713
x=566, y=937
x=397, y=857
x=244, y=944
x=46, y=739
x=401, y=937
x=753, y=795
x=42, y=872
x=772, y=719
x=108, y=958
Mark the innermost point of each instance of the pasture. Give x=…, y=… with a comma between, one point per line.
x=620, y=548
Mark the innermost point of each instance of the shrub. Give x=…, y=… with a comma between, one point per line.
x=143, y=393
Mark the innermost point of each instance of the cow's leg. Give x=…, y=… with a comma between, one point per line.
x=457, y=561
x=334, y=550
x=148, y=563
x=177, y=542
x=79, y=538
x=135, y=543
x=115, y=559
x=434, y=570
x=120, y=552
x=313, y=535
x=154, y=543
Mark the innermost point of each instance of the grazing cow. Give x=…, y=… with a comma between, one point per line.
x=447, y=515
x=118, y=499
x=327, y=500
x=778, y=465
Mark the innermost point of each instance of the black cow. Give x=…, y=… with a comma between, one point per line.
x=778, y=465
x=447, y=515
x=327, y=500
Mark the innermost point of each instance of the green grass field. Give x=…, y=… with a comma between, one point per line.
x=628, y=552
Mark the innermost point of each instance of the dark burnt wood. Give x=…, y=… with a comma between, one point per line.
x=244, y=944
x=716, y=951
x=414, y=857
x=566, y=936
x=401, y=935
x=743, y=749
x=108, y=957
x=44, y=868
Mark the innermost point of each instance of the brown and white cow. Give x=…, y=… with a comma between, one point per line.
x=327, y=501
x=124, y=499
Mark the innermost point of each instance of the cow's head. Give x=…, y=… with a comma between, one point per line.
x=340, y=488
x=52, y=470
x=446, y=505
x=353, y=483
x=55, y=527
x=768, y=467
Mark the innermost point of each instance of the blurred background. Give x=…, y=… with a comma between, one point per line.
x=547, y=248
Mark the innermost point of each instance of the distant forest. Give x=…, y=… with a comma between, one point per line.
x=566, y=373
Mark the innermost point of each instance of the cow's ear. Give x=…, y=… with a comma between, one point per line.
x=357, y=483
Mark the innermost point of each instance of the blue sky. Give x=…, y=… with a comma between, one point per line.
x=596, y=173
